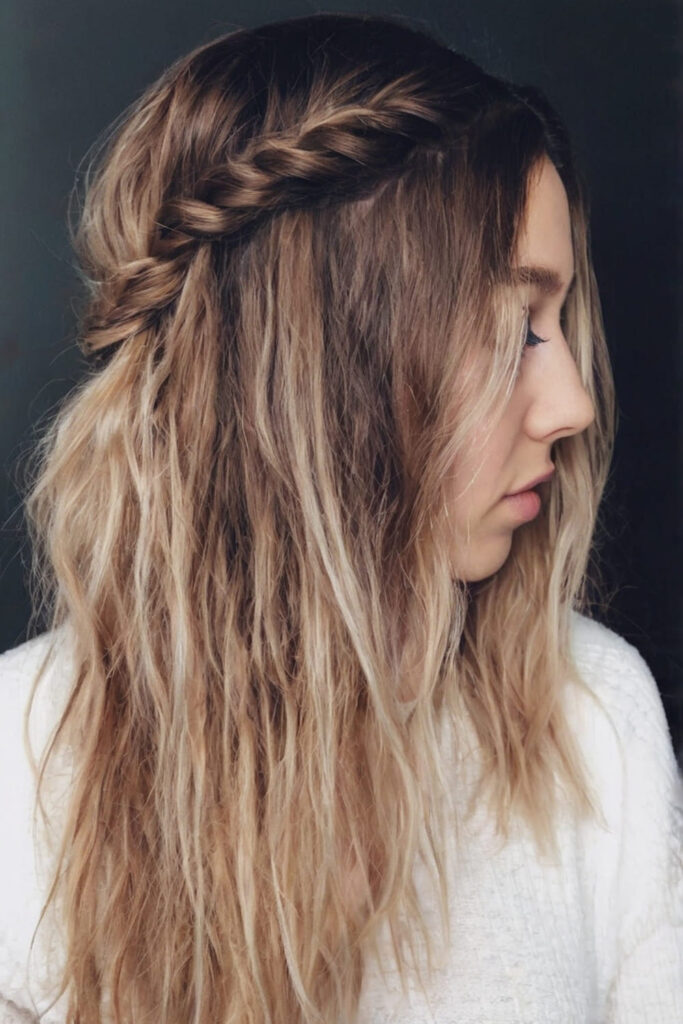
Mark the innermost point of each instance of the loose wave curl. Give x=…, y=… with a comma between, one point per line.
x=297, y=248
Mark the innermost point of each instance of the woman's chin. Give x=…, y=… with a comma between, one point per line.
x=482, y=558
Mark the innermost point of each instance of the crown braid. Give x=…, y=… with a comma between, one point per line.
x=330, y=154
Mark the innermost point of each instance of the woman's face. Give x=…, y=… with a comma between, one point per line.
x=548, y=402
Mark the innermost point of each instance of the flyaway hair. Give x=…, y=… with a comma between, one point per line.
x=298, y=306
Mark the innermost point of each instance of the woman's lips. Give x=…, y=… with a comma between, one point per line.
x=533, y=483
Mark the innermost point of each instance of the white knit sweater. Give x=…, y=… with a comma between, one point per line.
x=594, y=939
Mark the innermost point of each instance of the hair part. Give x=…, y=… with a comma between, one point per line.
x=296, y=248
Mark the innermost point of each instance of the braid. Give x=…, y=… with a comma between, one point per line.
x=328, y=156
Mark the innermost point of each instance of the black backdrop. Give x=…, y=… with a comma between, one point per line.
x=613, y=69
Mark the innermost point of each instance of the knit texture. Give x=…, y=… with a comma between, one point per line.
x=596, y=938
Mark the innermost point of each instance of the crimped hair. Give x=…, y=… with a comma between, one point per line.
x=296, y=247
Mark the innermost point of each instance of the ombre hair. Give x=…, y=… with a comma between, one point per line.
x=297, y=248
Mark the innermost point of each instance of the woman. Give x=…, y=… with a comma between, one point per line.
x=325, y=733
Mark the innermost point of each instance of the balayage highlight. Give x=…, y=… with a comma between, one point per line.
x=298, y=276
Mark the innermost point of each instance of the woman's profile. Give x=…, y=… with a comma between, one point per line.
x=320, y=729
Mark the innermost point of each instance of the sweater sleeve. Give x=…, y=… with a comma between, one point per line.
x=647, y=987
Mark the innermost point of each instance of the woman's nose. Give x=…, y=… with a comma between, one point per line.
x=561, y=405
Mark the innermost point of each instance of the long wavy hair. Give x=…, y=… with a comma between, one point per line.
x=296, y=248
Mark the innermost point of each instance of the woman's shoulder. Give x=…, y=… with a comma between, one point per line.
x=23, y=736
x=20, y=664
x=22, y=877
x=16, y=661
x=620, y=717
x=627, y=741
x=18, y=668
x=593, y=642
x=631, y=757
x=618, y=674
x=17, y=664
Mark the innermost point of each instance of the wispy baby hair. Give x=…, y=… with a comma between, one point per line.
x=296, y=249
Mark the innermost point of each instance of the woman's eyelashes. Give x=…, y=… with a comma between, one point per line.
x=534, y=339
x=531, y=338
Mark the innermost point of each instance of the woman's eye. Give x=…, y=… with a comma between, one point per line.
x=531, y=338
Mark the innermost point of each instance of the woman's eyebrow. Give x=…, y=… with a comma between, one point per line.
x=545, y=278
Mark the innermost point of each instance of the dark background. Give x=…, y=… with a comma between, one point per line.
x=611, y=67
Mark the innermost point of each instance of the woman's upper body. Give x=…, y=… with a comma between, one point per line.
x=316, y=255
x=596, y=937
